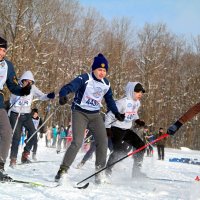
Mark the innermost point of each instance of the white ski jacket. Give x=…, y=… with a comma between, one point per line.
x=126, y=105
x=23, y=104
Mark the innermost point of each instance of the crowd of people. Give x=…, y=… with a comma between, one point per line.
x=115, y=131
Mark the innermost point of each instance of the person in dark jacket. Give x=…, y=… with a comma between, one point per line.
x=161, y=145
x=89, y=89
x=8, y=77
x=37, y=121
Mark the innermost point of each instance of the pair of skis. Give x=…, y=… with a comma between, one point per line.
x=30, y=183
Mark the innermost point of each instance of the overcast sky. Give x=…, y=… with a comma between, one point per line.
x=181, y=16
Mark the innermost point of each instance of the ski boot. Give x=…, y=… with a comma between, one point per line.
x=61, y=172
x=34, y=156
x=4, y=177
x=100, y=177
x=80, y=165
x=13, y=162
x=24, y=158
x=136, y=172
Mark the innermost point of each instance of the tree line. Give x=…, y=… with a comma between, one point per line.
x=57, y=40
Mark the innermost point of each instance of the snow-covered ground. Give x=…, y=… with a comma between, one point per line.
x=122, y=186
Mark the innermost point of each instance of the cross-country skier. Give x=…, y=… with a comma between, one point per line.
x=194, y=110
x=8, y=77
x=20, y=115
x=37, y=121
x=89, y=89
x=123, y=138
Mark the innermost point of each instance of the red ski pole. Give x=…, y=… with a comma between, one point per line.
x=131, y=153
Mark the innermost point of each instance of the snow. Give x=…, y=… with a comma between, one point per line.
x=185, y=149
x=122, y=186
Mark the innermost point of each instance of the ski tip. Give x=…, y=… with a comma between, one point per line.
x=82, y=187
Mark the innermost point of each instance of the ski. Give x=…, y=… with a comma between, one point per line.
x=82, y=187
x=169, y=180
x=34, y=184
x=35, y=162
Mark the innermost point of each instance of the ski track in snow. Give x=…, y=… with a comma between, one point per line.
x=122, y=185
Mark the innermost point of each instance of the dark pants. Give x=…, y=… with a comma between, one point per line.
x=123, y=141
x=35, y=146
x=26, y=121
x=161, y=152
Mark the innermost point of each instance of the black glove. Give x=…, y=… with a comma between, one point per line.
x=51, y=95
x=26, y=90
x=140, y=122
x=174, y=127
x=120, y=117
x=109, y=132
x=63, y=100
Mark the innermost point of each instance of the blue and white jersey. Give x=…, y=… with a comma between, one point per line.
x=8, y=77
x=93, y=94
x=89, y=93
x=3, y=73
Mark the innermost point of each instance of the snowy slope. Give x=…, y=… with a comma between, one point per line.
x=121, y=187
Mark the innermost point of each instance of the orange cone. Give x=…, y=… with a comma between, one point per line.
x=197, y=178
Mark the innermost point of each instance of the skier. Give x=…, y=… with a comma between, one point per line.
x=89, y=88
x=149, y=137
x=194, y=110
x=37, y=121
x=123, y=138
x=161, y=145
x=62, y=138
x=8, y=76
x=20, y=115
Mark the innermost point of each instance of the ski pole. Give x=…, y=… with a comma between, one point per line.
x=14, y=103
x=131, y=153
x=42, y=124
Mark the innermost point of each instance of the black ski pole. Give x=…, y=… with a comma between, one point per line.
x=131, y=153
x=14, y=103
x=42, y=124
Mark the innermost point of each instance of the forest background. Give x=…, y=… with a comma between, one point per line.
x=57, y=40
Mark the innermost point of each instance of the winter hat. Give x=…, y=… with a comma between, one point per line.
x=34, y=110
x=139, y=88
x=3, y=43
x=100, y=62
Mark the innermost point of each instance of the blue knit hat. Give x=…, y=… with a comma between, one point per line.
x=100, y=62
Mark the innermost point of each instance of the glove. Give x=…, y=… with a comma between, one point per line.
x=109, y=132
x=120, y=117
x=174, y=127
x=140, y=122
x=26, y=90
x=63, y=100
x=51, y=95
